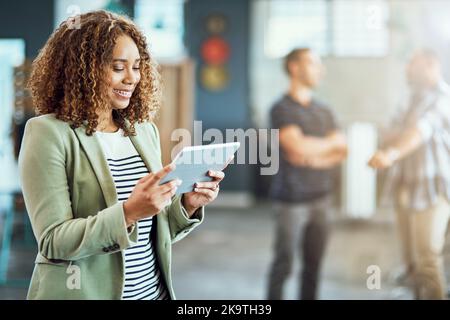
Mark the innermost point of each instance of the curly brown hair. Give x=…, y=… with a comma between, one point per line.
x=68, y=75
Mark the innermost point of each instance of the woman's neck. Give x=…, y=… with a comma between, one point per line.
x=106, y=122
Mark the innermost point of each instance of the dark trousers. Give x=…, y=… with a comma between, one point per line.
x=301, y=228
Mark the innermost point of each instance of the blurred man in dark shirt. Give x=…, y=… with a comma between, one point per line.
x=311, y=148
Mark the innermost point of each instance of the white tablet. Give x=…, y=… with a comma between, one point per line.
x=193, y=164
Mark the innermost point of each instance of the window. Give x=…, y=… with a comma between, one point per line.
x=299, y=23
x=69, y=8
x=162, y=23
x=360, y=28
x=331, y=27
x=12, y=54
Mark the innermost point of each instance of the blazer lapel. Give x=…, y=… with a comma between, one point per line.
x=144, y=145
x=141, y=141
x=94, y=153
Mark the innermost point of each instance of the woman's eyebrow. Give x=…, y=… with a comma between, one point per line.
x=125, y=60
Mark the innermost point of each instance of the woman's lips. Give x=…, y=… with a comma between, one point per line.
x=125, y=94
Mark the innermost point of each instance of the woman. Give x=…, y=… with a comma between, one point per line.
x=90, y=168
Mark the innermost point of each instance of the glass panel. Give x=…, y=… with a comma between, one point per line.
x=12, y=54
x=162, y=23
x=338, y=27
x=296, y=24
x=68, y=8
x=360, y=28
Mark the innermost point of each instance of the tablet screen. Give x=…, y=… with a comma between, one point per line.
x=193, y=164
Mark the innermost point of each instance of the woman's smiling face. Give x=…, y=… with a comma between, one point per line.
x=124, y=73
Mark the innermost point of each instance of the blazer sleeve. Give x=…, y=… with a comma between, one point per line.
x=180, y=224
x=61, y=236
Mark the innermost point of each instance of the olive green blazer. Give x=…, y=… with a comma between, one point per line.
x=77, y=220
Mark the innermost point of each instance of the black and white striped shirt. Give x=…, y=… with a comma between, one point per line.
x=143, y=279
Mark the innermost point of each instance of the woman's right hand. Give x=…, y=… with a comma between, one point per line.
x=148, y=198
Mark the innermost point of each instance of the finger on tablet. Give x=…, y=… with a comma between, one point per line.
x=145, y=178
x=216, y=174
x=166, y=187
x=170, y=192
x=206, y=192
x=163, y=172
x=207, y=185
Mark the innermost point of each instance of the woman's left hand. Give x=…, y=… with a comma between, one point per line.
x=204, y=193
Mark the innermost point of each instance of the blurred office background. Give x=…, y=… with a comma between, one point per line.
x=221, y=62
